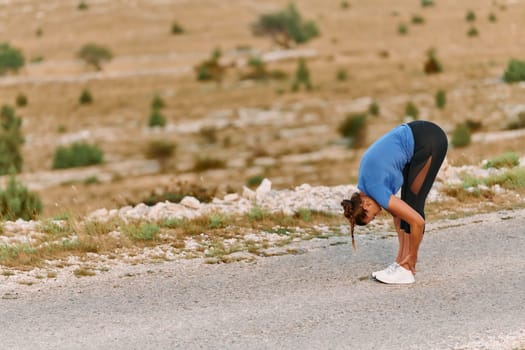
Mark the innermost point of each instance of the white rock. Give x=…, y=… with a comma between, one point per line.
x=264, y=188
x=191, y=202
x=247, y=193
x=231, y=197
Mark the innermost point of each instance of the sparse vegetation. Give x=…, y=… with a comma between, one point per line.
x=157, y=102
x=417, y=19
x=302, y=76
x=411, y=110
x=203, y=163
x=427, y=3
x=85, y=97
x=470, y=16
x=353, y=128
x=11, y=141
x=77, y=154
x=402, y=29
x=472, y=32
x=506, y=160
x=82, y=5
x=441, y=99
x=285, y=27
x=373, y=109
x=432, y=64
x=341, y=75
x=162, y=150
x=95, y=55
x=21, y=100
x=11, y=59
x=16, y=201
x=515, y=71
x=461, y=136
x=156, y=119
x=176, y=28
x=492, y=17
x=210, y=69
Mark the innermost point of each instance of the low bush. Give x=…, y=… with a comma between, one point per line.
x=210, y=69
x=85, y=97
x=77, y=155
x=373, y=109
x=156, y=119
x=302, y=76
x=203, y=163
x=432, y=64
x=417, y=19
x=157, y=102
x=11, y=59
x=472, y=32
x=353, y=128
x=16, y=201
x=470, y=16
x=517, y=123
x=94, y=55
x=176, y=28
x=402, y=29
x=21, y=100
x=177, y=191
x=461, y=136
x=515, y=71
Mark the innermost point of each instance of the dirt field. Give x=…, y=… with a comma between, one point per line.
x=258, y=128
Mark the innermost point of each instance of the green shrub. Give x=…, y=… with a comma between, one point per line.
x=411, y=110
x=82, y=5
x=144, y=231
x=441, y=99
x=21, y=100
x=427, y=3
x=77, y=155
x=473, y=31
x=373, y=108
x=515, y=71
x=176, y=28
x=461, y=136
x=417, y=19
x=432, y=64
x=177, y=191
x=344, y=4
x=254, y=181
x=341, y=75
x=492, y=17
x=285, y=26
x=157, y=102
x=354, y=129
x=16, y=201
x=402, y=29
x=11, y=140
x=470, y=16
x=94, y=55
x=302, y=76
x=11, y=59
x=156, y=119
x=506, y=160
x=85, y=97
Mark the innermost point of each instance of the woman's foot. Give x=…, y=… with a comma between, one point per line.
x=390, y=267
x=398, y=275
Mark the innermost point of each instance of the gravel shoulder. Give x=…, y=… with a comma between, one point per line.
x=468, y=295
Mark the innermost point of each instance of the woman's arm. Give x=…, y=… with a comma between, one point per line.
x=400, y=210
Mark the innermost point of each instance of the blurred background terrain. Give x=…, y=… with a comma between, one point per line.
x=166, y=97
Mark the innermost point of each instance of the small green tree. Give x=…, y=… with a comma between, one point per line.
x=461, y=136
x=156, y=119
x=515, y=71
x=16, y=201
x=441, y=99
x=302, y=76
x=85, y=97
x=77, y=155
x=94, y=55
x=353, y=128
x=11, y=59
x=285, y=27
x=11, y=141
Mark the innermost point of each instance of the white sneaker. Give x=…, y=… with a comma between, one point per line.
x=400, y=275
x=390, y=267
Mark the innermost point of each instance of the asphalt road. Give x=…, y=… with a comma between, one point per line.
x=469, y=294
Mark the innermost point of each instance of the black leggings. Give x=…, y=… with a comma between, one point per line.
x=430, y=148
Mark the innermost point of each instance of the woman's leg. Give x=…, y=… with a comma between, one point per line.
x=430, y=148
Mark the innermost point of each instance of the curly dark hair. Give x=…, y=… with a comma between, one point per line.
x=354, y=212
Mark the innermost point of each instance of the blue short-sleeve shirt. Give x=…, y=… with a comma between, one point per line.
x=381, y=168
